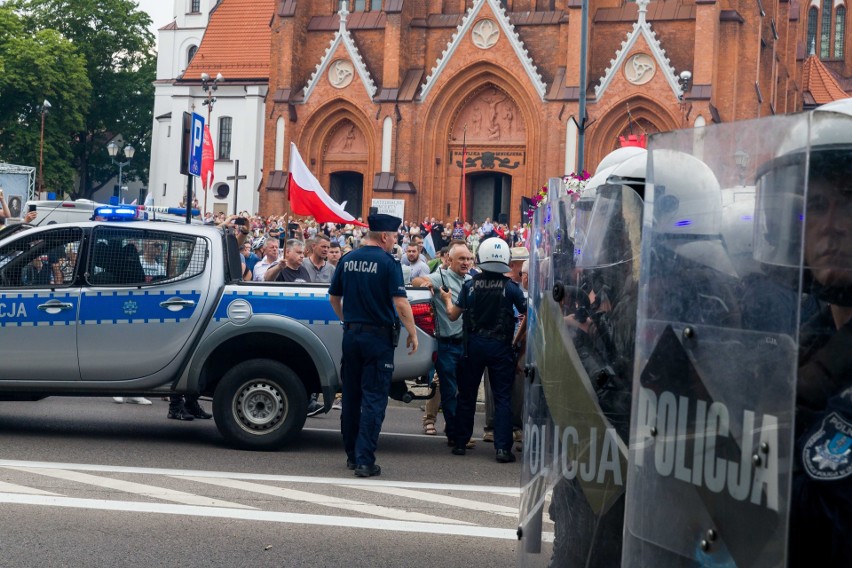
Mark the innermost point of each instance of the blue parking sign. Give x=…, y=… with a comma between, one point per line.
x=196, y=137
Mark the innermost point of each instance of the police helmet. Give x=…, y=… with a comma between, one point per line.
x=687, y=208
x=618, y=156
x=619, y=167
x=493, y=255
x=632, y=172
x=809, y=174
x=608, y=164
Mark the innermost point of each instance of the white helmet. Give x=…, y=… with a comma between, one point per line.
x=687, y=196
x=258, y=243
x=619, y=155
x=687, y=207
x=631, y=172
x=494, y=255
x=628, y=162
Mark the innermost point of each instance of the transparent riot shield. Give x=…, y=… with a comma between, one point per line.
x=711, y=441
x=580, y=347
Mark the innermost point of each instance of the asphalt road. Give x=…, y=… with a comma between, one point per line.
x=87, y=482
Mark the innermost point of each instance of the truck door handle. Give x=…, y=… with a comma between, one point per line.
x=55, y=306
x=177, y=304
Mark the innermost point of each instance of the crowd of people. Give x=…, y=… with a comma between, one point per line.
x=430, y=233
x=284, y=248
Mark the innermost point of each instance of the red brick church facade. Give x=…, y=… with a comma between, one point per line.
x=381, y=105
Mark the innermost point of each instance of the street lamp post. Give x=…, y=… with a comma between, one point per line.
x=129, y=151
x=684, y=79
x=209, y=87
x=45, y=106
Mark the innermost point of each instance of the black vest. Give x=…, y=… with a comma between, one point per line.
x=490, y=313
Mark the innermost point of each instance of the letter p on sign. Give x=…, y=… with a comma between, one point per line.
x=197, y=142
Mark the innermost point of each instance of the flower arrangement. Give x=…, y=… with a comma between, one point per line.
x=573, y=184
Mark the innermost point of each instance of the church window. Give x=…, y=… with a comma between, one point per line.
x=195, y=6
x=825, y=29
x=812, y=27
x=839, y=31
x=225, y=132
x=190, y=53
x=362, y=5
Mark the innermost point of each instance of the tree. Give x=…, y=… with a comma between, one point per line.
x=113, y=38
x=34, y=68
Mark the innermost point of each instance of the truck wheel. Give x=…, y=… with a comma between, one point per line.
x=260, y=405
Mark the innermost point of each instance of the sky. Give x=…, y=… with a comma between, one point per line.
x=161, y=12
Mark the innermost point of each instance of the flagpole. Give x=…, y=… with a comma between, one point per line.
x=462, y=197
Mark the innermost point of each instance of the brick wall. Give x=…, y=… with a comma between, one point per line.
x=421, y=143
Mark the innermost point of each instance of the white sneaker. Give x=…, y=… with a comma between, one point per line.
x=138, y=400
x=337, y=404
x=118, y=399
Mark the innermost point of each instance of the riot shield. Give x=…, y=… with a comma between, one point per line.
x=580, y=345
x=711, y=441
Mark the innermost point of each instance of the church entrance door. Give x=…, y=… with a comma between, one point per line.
x=492, y=196
x=348, y=187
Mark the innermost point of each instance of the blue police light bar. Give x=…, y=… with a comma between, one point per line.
x=118, y=213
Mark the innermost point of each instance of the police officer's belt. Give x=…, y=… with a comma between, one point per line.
x=380, y=329
x=452, y=340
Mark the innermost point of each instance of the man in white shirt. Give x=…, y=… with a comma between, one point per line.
x=270, y=257
x=418, y=265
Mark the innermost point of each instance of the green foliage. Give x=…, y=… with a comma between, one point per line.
x=96, y=64
x=37, y=67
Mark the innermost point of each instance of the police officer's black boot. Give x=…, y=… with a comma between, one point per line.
x=191, y=405
x=505, y=456
x=177, y=410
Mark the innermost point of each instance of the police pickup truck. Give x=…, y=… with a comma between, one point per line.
x=143, y=308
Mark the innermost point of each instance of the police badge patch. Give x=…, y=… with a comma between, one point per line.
x=828, y=453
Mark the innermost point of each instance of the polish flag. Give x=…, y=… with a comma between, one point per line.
x=207, y=160
x=307, y=197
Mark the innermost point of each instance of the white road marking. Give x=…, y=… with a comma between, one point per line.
x=131, y=487
x=325, y=500
x=371, y=482
x=266, y=516
x=12, y=488
x=444, y=500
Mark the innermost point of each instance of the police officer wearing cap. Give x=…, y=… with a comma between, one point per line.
x=487, y=302
x=368, y=295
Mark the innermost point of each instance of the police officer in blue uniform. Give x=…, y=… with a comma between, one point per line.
x=821, y=504
x=489, y=322
x=368, y=295
x=809, y=181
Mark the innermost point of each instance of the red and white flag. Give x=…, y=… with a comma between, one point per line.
x=207, y=160
x=307, y=197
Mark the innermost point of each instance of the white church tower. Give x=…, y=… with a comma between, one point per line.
x=199, y=41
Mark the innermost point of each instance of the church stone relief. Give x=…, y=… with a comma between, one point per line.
x=347, y=139
x=485, y=34
x=340, y=73
x=639, y=68
x=490, y=116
